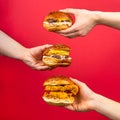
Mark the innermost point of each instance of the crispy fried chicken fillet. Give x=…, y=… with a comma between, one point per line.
x=56, y=21
x=59, y=90
x=57, y=55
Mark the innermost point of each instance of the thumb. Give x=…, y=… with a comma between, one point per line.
x=42, y=47
x=68, y=10
x=79, y=83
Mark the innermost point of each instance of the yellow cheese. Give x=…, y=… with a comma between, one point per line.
x=58, y=52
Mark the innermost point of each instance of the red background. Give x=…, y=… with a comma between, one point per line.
x=96, y=59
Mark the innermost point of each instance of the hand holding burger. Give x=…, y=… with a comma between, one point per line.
x=60, y=90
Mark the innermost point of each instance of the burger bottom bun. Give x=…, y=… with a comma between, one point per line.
x=56, y=64
x=59, y=102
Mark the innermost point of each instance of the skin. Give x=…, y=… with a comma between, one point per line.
x=30, y=56
x=86, y=20
x=87, y=100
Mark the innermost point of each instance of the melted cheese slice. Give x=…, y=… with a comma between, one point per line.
x=58, y=52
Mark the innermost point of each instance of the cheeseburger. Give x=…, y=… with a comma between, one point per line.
x=56, y=21
x=57, y=55
x=59, y=90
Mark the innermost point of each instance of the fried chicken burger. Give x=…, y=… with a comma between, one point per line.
x=56, y=21
x=57, y=55
x=59, y=90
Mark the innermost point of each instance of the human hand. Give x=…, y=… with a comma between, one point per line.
x=33, y=57
x=85, y=20
x=83, y=100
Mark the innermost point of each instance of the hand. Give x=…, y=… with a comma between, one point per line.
x=33, y=57
x=83, y=100
x=85, y=20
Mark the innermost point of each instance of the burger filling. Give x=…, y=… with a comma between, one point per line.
x=57, y=95
x=57, y=59
x=58, y=52
x=51, y=20
x=61, y=91
x=54, y=22
x=73, y=89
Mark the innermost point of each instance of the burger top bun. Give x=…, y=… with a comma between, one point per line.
x=57, y=49
x=59, y=16
x=56, y=21
x=58, y=80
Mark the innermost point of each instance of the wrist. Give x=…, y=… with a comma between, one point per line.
x=92, y=103
x=97, y=16
x=22, y=54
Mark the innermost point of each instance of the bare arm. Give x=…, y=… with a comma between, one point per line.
x=9, y=47
x=86, y=20
x=87, y=100
x=30, y=56
x=107, y=107
x=111, y=19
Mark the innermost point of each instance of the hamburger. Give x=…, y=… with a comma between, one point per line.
x=57, y=55
x=59, y=90
x=56, y=21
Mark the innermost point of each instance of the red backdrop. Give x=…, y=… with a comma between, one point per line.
x=96, y=59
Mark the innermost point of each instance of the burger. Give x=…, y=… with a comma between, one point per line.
x=59, y=90
x=57, y=55
x=56, y=21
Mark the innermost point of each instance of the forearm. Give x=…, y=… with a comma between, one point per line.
x=111, y=19
x=9, y=47
x=107, y=107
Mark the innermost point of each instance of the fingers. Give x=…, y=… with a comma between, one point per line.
x=74, y=34
x=73, y=107
x=39, y=66
x=42, y=68
x=69, y=107
x=68, y=10
x=73, y=27
x=69, y=30
x=46, y=45
x=74, y=31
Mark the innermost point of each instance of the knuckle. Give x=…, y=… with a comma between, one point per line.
x=76, y=29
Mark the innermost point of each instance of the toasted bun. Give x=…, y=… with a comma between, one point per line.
x=58, y=102
x=59, y=90
x=56, y=48
x=58, y=80
x=57, y=55
x=56, y=21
